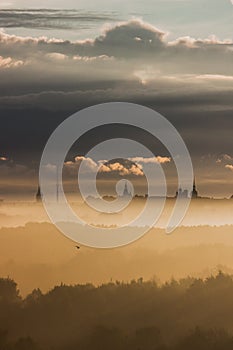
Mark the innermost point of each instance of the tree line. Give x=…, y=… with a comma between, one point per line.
x=140, y=315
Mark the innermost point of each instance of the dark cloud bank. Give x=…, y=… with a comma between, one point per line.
x=43, y=81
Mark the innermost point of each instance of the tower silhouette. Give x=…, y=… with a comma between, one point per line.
x=194, y=191
x=126, y=192
x=38, y=195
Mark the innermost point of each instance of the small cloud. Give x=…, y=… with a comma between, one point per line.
x=136, y=170
x=152, y=160
x=51, y=167
x=224, y=158
x=56, y=56
x=9, y=62
x=227, y=157
x=229, y=166
x=121, y=169
x=88, y=165
x=131, y=166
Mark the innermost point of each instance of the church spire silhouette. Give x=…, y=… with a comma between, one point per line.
x=126, y=192
x=194, y=191
x=38, y=195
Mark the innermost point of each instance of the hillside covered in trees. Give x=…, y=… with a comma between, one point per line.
x=185, y=314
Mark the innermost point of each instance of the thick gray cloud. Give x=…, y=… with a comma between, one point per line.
x=133, y=40
x=128, y=52
x=120, y=41
x=188, y=80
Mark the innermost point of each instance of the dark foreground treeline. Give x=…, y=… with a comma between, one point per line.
x=187, y=314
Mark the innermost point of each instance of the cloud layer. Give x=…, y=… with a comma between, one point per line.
x=51, y=18
x=132, y=166
x=134, y=47
x=129, y=61
x=188, y=80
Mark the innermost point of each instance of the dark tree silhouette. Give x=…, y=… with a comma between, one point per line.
x=126, y=316
x=8, y=291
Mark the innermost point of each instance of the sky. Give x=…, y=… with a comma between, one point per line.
x=199, y=18
x=173, y=56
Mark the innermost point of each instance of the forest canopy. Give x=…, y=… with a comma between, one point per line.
x=181, y=314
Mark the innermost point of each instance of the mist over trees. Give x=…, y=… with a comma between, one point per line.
x=186, y=314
